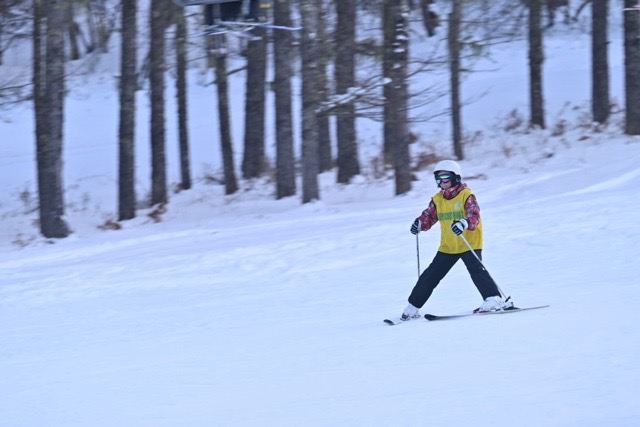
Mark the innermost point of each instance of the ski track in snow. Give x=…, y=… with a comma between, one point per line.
x=607, y=184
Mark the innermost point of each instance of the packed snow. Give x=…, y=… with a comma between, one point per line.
x=247, y=311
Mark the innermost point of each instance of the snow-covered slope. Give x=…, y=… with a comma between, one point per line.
x=261, y=314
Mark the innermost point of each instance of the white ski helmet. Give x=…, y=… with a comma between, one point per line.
x=449, y=166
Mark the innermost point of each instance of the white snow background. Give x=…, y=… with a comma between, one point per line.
x=246, y=311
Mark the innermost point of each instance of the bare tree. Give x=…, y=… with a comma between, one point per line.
x=128, y=85
x=48, y=79
x=157, y=24
x=285, y=158
x=430, y=19
x=600, y=105
x=325, y=159
x=632, y=67
x=310, y=101
x=254, y=159
x=388, y=25
x=396, y=54
x=16, y=17
x=4, y=11
x=72, y=29
x=181, y=97
x=39, y=79
x=99, y=24
x=345, y=66
x=536, y=58
x=226, y=145
x=552, y=6
x=454, y=68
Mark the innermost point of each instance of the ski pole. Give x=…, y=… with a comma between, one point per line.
x=481, y=263
x=418, y=253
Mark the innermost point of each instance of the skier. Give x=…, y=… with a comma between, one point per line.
x=457, y=210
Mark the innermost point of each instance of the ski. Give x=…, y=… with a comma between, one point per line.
x=397, y=320
x=483, y=313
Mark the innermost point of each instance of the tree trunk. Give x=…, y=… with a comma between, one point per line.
x=99, y=24
x=39, y=90
x=310, y=96
x=128, y=85
x=285, y=158
x=49, y=105
x=325, y=158
x=209, y=42
x=536, y=58
x=181, y=97
x=454, y=68
x=157, y=88
x=430, y=19
x=230, y=183
x=388, y=24
x=632, y=68
x=348, y=164
x=396, y=102
x=600, y=104
x=3, y=11
x=91, y=23
x=254, y=160
x=72, y=29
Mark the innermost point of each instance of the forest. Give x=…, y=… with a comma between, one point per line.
x=342, y=75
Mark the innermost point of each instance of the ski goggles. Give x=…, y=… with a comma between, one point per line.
x=444, y=177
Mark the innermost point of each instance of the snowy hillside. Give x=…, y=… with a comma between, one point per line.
x=255, y=313
x=246, y=311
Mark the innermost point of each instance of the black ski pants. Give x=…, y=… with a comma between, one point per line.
x=441, y=265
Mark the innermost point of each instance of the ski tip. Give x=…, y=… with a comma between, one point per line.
x=389, y=322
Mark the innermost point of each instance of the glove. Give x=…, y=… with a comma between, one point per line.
x=459, y=226
x=415, y=227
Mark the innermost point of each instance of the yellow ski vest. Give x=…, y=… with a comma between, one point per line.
x=448, y=212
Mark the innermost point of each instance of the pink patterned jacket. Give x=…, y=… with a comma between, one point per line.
x=471, y=208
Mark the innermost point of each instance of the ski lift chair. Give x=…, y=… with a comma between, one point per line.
x=226, y=10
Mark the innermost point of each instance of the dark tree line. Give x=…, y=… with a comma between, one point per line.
x=535, y=10
x=328, y=38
